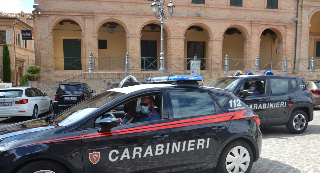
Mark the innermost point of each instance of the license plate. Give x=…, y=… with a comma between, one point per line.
x=70, y=98
x=6, y=104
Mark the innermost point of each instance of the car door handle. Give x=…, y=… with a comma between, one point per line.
x=264, y=100
x=160, y=137
x=290, y=98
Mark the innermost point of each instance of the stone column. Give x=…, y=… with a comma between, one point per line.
x=175, y=61
x=215, y=53
x=134, y=50
x=46, y=49
x=88, y=41
x=253, y=47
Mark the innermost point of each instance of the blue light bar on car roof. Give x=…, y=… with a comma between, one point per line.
x=268, y=72
x=185, y=78
x=249, y=73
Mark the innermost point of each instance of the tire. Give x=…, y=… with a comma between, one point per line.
x=35, y=113
x=42, y=166
x=298, y=122
x=50, y=108
x=238, y=156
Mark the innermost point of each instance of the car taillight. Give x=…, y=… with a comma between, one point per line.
x=257, y=120
x=315, y=92
x=85, y=96
x=23, y=101
x=56, y=97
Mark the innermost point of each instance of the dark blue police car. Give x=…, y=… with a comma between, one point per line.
x=277, y=99
x=199, y=129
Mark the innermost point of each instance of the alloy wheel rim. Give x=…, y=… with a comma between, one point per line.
x=299, y=122
x=44, y=171
x=36, y=112
x=237, y=160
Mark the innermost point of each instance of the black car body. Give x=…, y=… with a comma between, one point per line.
x=69, y=94
x=197, y=131
x=282, y=100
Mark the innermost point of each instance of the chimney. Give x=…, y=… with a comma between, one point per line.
x=23, y=17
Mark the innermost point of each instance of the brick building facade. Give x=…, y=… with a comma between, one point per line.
x=21, y=51
x=66, y=31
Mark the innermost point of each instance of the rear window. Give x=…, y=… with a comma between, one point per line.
x=317, y=84
x=10, y=93
x=226, y=83
x=71, y=89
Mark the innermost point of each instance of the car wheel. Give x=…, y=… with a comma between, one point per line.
x=42, y=166
x=298, y=122
x=236, y=157
x=50, y=108
x=35, y=113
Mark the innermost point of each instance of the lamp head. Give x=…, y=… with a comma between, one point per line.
x=155, y=7
x=171, y=7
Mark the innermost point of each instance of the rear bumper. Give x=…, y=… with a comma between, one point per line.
x=316, y=100
x=14, y=111
x=61, y=107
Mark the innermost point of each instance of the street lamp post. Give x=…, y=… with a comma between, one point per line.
x=158, y=11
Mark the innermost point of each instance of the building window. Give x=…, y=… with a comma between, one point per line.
x=102, y=44
x=318, y=49
x=237, y=3
x=272, y=4
x=198, y=1
x=2, y=37
x=18, y=40
x=26, y=44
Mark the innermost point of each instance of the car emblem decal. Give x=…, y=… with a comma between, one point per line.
x=94, y=157
x=290, y=105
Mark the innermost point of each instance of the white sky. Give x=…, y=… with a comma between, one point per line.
x=16, y=6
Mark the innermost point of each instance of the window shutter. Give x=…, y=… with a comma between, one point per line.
x=239, y=3
x=318, y=49
x=275, y=4
x=8, y=37
x=233, y=3
x=269, y=4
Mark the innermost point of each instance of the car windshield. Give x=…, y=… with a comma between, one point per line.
x=226, y=83
x=10, y=93
x=83, y=109
x=71, y=89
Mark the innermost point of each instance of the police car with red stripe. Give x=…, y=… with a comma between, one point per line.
x=197, y=130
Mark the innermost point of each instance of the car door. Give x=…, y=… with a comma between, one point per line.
x=194, y=131
x=139, y=146
x=258, y=103
x=281, y=100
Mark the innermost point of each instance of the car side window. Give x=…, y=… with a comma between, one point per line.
x=279, y=86
x=294, y=84
x=256, y=86
x=38, y=92
x=187, y=104
x=220, y=98
x=31, y=93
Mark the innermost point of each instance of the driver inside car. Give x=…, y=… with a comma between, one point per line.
x=130, y=115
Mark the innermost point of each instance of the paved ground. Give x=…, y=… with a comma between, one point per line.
x=283, y=152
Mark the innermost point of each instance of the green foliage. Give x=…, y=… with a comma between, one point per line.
x=1, y=81
x=6, y=65
x=33, y=71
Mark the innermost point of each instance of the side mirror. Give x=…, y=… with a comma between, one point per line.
x=107, y=124
x=45, y=94
x=93, y=91
x=246, y=93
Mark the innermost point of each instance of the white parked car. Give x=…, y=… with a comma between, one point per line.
x=24, y=101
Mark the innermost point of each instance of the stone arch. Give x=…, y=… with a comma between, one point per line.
x=312, y=13
x=242, y=29
x=202, y=25
x=111, y=20
x=165, y=27
x=58, y=19
x=277, y=30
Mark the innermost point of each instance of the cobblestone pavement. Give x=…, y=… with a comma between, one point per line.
x=283, y=152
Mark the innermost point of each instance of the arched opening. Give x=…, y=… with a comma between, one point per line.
x=269, y=50
x=151, y=46
x=67, y=45
x=314, y=38
x=196, y=44
x=112, y=46
x=233, y=46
